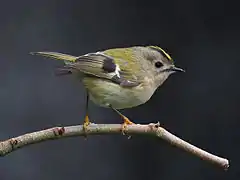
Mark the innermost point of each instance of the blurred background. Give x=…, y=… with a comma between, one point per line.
x=201, y=106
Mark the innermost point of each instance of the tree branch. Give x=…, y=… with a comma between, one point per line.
x=12, y=144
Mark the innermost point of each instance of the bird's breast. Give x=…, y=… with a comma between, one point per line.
x=105, y=93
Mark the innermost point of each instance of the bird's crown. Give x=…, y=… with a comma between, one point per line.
x=160, y=50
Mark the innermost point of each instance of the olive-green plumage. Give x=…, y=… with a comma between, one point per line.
x=120, y=77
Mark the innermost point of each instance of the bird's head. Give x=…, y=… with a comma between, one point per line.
x=159, y=64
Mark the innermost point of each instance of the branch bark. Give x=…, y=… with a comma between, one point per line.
x=156, y=130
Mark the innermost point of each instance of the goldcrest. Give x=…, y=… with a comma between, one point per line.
x=118, y=78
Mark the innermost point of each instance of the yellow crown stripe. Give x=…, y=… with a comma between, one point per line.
x=164, y=52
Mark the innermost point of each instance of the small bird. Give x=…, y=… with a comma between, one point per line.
x=118, y=78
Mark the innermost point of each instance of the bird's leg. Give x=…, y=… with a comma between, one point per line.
x=86, y=120
x=126, y=121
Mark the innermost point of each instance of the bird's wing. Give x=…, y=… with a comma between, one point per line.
x=104, y=65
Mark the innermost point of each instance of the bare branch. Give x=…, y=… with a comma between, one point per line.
x=12, y=144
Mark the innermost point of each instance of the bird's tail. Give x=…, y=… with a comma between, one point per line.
x=68, y=59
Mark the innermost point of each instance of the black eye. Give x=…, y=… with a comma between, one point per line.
x=158, y=64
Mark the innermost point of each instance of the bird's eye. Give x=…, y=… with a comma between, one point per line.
x=158, y=64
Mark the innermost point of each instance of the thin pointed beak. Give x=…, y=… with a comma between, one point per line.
x=176, y=69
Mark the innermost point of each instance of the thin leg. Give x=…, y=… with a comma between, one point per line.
x=126, y=121
x=86, y=120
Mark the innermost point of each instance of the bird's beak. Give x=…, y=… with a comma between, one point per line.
x=176, y=69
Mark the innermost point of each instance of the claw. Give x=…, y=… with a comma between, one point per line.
x=126, y=122
x=86, y=124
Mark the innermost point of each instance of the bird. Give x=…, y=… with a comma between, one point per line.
x=118, y=78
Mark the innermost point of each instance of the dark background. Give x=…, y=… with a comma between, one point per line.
x=201, y=106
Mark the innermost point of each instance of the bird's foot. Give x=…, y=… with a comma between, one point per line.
x=85, y=125
x=126, y=122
